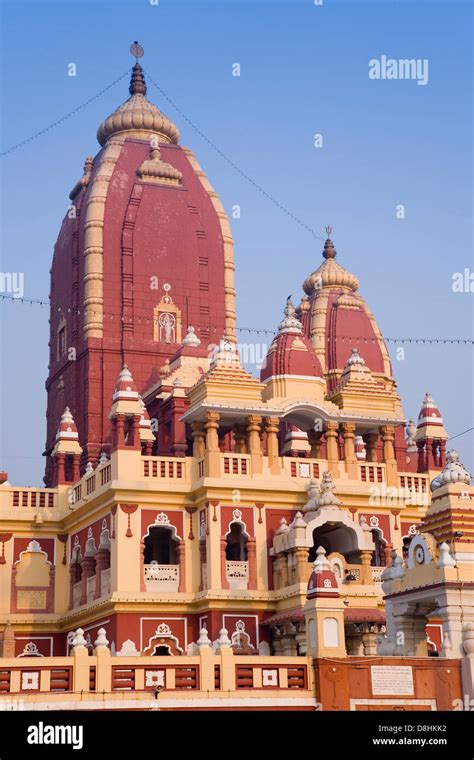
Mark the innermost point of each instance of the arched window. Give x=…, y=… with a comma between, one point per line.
x=236, y=549
x=160, y=547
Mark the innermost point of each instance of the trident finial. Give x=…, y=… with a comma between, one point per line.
x=137, y=51
x=328, y=230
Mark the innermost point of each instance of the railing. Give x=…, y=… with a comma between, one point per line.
x=235, y=464
x=105, y=582
x=161, y=577
x=164, y=467
x=29, y=497
x=237, y=574
x=304, y=468
x=76, y=594
x=130, y=682
x=377, y=573
x=372, y=473
x=416, y=488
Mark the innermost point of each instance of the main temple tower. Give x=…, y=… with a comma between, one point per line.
x=144, y=252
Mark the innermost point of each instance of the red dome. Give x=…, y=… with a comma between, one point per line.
x=343, y=318
x=291, y=354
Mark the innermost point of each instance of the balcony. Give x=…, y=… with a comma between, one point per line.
x=237, y=574
x=161, y=577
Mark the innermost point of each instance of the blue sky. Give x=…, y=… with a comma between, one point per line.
x=304, y=70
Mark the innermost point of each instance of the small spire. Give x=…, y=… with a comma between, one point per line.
x=290, y=323
x=137, y=82
x=329, y=252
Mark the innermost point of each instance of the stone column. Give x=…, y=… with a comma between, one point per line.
x=388, y=437
x=331, y=434
x=366, y=571
x=60, y=468
x=240, y=438
x=88, y=570
x=251, y=559
x=203, y=558
x=180, y=551
x=179, y=445
x=199, y=438
x=76, y=467
x=303, y=567
x=421, y=456
x=370, y=440
x=224, y=581
x=212, y=444
x=442, y=453
x=369, y=639
x=452, y=618
x=349, y=450
x=314, y=440
x=272, y=427
x=429, y=461
x=102, y=562
x=255, y=446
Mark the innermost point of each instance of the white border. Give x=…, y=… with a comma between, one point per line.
x=37, y=638
x=160, y=619
x=240, y=617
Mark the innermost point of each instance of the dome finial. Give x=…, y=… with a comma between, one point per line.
x=329, y=251
x=137, y=82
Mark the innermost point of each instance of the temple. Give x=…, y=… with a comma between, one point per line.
x=204, y=534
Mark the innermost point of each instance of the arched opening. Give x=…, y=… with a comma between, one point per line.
x=335, y=538
x=160, y=547
x=236, y=548
x=378, y=556
x=161, y=651
x=161, y=559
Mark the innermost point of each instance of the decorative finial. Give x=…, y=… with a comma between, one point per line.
x=137, y=82
x=329, y=251
x=137, y=51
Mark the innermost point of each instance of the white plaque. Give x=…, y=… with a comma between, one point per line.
x=392, y=679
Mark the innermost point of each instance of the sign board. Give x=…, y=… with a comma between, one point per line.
x=392, y=679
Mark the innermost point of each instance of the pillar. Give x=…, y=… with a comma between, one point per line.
x=76, y=467
x=102, y=562
x=272, y=427
x=303, y=567
x=202, y=558
x=118, y=432
x=88, y=570
x=388, y=437
x=429, y=460
x=212, y=444
x=240, y=438
x=366, y=570
x=349, y=450
x=60, y=466
x=251, y=559
x=254, y=442
x=421, y=456
x=314, y=440
x=370, y=440
x=199, y=438
x=224, y=582
x=331, y=434
x=442, y=453
x=180, y=551
x=179, y=445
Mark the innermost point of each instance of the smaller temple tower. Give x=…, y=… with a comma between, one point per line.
x=324, y=611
